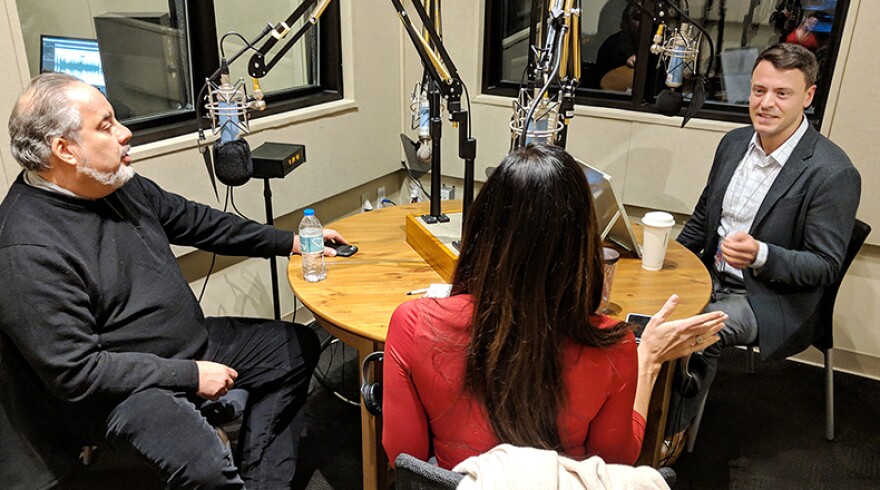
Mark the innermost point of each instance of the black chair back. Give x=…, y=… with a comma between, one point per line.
x=411, y=473
x=860, y=232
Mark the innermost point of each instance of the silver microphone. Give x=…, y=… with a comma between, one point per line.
x=543, y=126
x=227, y=106
x=420, y=109
x=680, y=51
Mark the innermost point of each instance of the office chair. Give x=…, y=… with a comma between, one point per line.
x=824, y=343
x=411, y=473
x=41, y=434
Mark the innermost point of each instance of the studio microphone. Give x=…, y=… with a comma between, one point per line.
x=422, y=111
x=227, y=106
x=677, y=56
x=418, y=154
x=538, y=117
x=679, y=51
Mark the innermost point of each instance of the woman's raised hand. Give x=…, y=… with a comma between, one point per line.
x=665, y=341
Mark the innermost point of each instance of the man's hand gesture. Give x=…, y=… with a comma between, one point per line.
x=215, y=379
x=739, y=249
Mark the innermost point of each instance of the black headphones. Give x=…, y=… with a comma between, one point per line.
x=371, y=392
x=693, y=371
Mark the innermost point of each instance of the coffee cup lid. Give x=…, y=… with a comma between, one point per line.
x=658, y=219
x=609, y=255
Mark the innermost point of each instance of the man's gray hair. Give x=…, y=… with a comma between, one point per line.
x=41, y=114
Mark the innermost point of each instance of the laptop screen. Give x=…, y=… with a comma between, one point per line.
x=613, y=222
x=78, y=57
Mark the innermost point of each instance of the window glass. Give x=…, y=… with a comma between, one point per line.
x=610, y=34
x=515, y=40
x=135, y=52
x=744, y=28
x=620, y=70
x=295, y=69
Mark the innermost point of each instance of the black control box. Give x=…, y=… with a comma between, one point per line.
x=275, y=160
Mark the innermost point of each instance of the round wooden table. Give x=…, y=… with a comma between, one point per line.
x=361, y=292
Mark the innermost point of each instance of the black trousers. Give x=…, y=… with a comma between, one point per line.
x=274, y=361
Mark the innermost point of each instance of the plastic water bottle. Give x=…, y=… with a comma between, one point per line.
x=311, y=245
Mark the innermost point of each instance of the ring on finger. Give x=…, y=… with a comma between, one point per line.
x=699, y=339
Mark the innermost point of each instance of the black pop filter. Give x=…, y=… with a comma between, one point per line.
x=697, y=100
x=669, y=102
x=232, y=162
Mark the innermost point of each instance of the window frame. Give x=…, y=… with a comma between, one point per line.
x=204, y=59
x=641, y=100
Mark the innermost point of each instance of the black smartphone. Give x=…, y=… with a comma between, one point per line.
x=638, y=322
x=342, y=249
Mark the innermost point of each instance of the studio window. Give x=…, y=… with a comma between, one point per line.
x=151, y=57
x=620, y=70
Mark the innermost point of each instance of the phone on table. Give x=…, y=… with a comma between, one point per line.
x=342, y=249
x=638, y=322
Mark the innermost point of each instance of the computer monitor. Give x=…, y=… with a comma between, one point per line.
x=610, y=213
x=74, y=56
x=144, y=61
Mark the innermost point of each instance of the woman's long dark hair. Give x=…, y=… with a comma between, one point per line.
x=531, y=257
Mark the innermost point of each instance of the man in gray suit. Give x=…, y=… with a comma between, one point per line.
x=773, y=222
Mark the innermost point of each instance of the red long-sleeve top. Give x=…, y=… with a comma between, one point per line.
x=426, y=410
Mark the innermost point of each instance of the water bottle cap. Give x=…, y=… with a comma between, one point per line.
x=308, y=212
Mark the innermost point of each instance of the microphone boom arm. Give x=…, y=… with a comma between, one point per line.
x=257, y=66
x=438, y=63
x=445, y=83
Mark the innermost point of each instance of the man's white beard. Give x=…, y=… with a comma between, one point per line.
x=115, y=179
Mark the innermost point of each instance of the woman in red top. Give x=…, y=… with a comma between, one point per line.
x=516, y=354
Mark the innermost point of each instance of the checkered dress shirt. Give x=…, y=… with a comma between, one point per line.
x=747, y=189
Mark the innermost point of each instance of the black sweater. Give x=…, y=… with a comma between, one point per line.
x=91, y=294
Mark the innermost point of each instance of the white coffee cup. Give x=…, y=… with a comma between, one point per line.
x=658, y=228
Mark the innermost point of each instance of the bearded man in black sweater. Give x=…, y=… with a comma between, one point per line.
x=103, y=340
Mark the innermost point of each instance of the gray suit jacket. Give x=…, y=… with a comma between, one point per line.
x=806, y=220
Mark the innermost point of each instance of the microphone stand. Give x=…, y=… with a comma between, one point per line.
x=273, y=262
x=445, y=83
x=559, y=58
x=258, y=68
